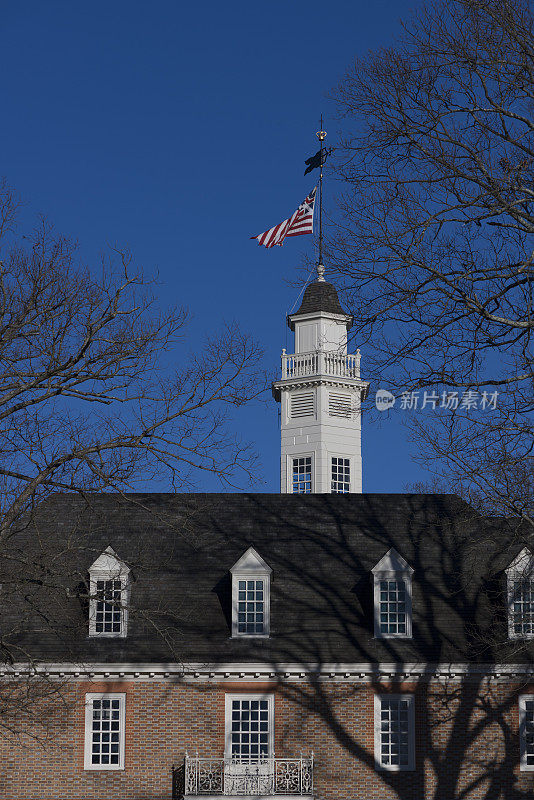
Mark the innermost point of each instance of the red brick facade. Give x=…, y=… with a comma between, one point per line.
x=466, y=735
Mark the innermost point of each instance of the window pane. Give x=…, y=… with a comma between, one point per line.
x=393, y=599
x=302, y=478
x=248, y=743
x=527, y=732
x=340, y=476
x=108, y=606
x=250, y=617
x=105, y=718
x=522, y=607
x=394, y=733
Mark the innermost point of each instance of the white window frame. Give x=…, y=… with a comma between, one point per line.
x=524, y=767
x=88, y=740
x=392, y=567
x=346, y=458
x=521, y=568
x=290, y=471
x=108, y=567
x=251, y=566
x=228, y=699
x=378, y=731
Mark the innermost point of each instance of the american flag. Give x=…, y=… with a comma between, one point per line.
x=299, y=223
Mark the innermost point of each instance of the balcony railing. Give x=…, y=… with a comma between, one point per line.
x=269, y=776
x=320, y=362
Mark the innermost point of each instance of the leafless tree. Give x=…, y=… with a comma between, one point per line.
x=434, y=240
x=90, y=398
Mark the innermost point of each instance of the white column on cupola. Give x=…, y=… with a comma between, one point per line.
x=320, y=393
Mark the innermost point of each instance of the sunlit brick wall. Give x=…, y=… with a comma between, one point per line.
x=466, y=740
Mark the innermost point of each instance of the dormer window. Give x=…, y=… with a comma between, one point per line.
x=392, y=582
x=251, y=584
x=520, y=580
x=109, y=579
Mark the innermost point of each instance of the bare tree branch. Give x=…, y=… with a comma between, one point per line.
x=434, y=243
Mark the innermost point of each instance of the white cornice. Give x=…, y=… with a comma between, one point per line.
x=320, y=380
x=308, y=316
x=261, y=672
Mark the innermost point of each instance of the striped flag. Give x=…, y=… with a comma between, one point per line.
x=298, y=224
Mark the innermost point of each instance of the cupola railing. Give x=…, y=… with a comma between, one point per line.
x=320, y=362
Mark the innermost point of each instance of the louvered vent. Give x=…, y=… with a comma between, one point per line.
x=339, y=405
x=302, y=405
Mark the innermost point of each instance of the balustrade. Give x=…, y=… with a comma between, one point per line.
x=320, y=362
x=269, y=776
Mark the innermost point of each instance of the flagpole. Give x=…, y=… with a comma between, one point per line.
x=321, y=135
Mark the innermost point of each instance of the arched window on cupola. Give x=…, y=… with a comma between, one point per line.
x=109, y=592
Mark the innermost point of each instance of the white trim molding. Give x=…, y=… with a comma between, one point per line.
x=526, y=732
x=262, y=672
x=521, y=571
x=392, y=567
x=114, y=720
x=251, y=569
x=340, y=475
x=394, y=719
x=294, y=457
x=228, y=700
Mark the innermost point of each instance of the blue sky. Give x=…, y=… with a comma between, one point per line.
x=180, y=130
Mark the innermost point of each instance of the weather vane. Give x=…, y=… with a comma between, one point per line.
x=321, y=135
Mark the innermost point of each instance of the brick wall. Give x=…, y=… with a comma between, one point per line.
x=466, y=740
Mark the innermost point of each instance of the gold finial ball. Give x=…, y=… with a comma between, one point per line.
x=321, y=135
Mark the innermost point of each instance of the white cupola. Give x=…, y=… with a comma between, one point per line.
x=320, y=392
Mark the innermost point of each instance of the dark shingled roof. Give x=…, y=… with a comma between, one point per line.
x=321, y=549
x=320, y=296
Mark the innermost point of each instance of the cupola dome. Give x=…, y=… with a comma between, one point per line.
x=320, y=296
